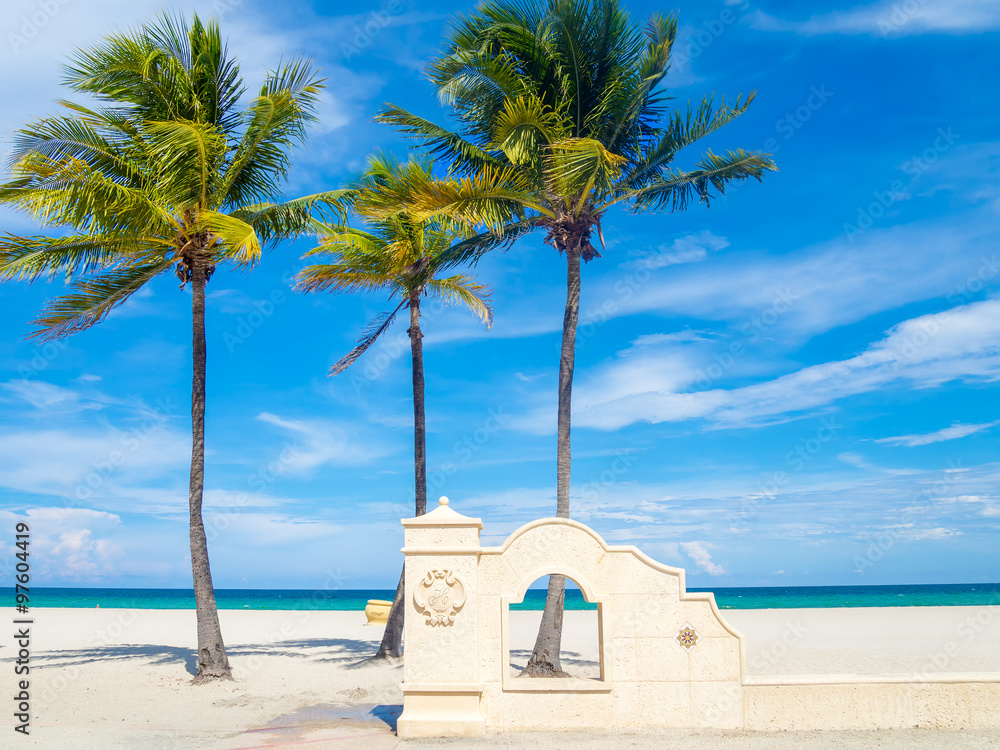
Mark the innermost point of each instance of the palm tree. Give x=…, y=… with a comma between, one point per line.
x=405, y=257
x=561, y=117
x=169, y=175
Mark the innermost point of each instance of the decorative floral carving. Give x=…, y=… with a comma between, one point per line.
x=440, y=595
x=688, y=638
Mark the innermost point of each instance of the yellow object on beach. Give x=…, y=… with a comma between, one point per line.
x=377, y=611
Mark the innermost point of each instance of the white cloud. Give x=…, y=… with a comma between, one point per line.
x=911, y=533
x=69, y=543
x=892, y=18
x=816, y=288
x=42, y=395
x=690, y=248
x=959, y=344
x=702, y=558
x=989, y=507
x=319, y=442
x=954, y=432
x=88, y=463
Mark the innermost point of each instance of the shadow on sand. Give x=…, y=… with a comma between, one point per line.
x=345, y=651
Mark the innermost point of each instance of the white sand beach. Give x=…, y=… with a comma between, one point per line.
x=121, y=678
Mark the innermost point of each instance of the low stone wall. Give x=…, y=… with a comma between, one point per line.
x=667, y=657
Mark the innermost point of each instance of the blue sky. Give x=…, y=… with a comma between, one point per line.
x=795, y=387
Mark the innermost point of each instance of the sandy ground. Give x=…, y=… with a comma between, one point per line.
x=121, y=678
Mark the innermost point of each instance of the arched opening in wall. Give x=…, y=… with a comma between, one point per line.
x=580, y=651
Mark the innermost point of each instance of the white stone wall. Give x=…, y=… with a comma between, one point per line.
x=457, y=679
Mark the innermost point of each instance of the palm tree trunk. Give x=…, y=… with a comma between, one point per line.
x=419, y=425
x=392, y=638
x=544, y=660
x=391, y=647
x=212, y=661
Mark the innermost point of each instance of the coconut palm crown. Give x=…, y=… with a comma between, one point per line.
x=171, y=172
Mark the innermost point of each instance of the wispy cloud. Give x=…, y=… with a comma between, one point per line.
x=690, y=248
x=954, y=432
x=816, y=288
x=890, y=17
x=651, y=384
x=318, y=442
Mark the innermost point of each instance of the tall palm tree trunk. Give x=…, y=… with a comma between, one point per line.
x=544, y=660
x=419, y=424
x=213, y=663
x=392, y=638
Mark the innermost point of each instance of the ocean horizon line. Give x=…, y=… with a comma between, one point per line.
x=727, y=597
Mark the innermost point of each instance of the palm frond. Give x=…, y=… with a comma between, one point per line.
x=574, y=166
x=682, y=131
x=189, y=155
x=465, y=290
x=274, y=123
x=341, y=240
x=70, y=192
x=237, y=239
x=91, y=299
x=369, y=336
x=462, y=155
x=469, y=250
x=492, y=198
x=342, y=277
x=524, y=126
x=29, y=258
x=275, y=221
x=676, y=189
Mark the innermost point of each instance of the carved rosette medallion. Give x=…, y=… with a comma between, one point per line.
x=439, y=596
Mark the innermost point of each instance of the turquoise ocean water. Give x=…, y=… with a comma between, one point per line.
x=344, y=599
